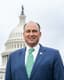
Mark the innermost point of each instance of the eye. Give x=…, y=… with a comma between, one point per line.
x=34, y=31
x=28, y=31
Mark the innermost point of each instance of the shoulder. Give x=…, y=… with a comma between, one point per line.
x=48, y=48
x=50, y=51
x=17, y=52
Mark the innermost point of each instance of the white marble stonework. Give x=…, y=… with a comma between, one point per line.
x=14, y=42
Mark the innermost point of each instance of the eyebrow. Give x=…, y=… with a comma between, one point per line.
x=34, y=30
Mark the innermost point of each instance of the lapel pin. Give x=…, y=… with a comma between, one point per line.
x=40, y=53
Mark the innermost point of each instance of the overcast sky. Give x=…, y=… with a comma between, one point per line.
x=48, y=13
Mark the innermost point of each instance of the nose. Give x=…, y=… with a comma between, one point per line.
x=31, y=33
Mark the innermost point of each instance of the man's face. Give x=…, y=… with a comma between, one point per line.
x=31, y=34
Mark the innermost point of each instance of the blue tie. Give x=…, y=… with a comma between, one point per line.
x=30, y=62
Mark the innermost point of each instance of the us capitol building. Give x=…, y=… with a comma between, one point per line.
x=14, y=42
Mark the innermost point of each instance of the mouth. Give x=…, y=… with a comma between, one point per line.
x=32, y=38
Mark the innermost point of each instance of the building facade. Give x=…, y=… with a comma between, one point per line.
x=14, y=42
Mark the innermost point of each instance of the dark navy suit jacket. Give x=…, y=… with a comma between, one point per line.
x=48, y=66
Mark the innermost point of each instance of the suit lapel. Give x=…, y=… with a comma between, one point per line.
x=38, y=60
x=22, y=59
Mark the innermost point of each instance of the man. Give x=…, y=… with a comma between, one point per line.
x=46, y=63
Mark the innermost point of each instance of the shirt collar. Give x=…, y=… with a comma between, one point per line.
x=35, y=47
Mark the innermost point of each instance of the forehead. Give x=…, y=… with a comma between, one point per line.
x=31, y=25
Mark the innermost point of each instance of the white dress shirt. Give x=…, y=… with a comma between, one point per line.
x=34, y=53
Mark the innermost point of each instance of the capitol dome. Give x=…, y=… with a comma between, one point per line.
x=16, y=33
x=15, y=40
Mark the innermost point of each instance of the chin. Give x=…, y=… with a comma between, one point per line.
x=32, y=42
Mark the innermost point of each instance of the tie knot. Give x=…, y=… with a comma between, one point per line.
x=31, y=50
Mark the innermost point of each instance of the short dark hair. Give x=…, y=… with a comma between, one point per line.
x=36, y=23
